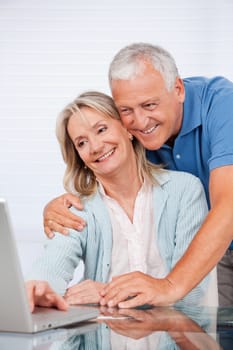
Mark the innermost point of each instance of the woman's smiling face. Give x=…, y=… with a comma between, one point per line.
x=102, y=142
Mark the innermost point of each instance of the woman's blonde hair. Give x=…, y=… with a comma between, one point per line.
x=78, y=178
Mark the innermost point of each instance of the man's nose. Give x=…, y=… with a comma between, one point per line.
x=139, y=118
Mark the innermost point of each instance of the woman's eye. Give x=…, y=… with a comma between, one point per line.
x=81, y=144
x=103, y=128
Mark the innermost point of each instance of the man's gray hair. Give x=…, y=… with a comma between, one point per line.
x=130, y=61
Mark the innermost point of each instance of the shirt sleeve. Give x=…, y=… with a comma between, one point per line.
x=219, y=128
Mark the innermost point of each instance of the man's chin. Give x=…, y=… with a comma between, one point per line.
x=150, y=146
x=150, y=142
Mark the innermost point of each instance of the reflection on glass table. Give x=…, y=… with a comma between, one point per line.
x=163, y=328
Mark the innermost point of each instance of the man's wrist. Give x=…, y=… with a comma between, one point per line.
x=175, y=290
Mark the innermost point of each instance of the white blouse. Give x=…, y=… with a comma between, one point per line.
x=134, y=243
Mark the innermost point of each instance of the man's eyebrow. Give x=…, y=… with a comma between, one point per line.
x=151, y=99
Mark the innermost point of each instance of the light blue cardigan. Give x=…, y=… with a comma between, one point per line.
x=179, y=209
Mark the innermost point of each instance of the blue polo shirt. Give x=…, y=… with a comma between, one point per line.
x=205, y=140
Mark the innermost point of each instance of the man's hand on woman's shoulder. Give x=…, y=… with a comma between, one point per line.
x=58, y=217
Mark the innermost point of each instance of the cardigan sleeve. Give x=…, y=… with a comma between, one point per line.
x=192, y=210
x=61, y=256
x=191, y=214
x=184, y=212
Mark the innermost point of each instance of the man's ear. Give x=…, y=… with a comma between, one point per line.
x=179, y=89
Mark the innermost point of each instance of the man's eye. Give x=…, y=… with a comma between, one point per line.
x=150, y=106
x=124, y=111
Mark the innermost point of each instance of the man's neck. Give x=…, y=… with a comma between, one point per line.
x=170, y=142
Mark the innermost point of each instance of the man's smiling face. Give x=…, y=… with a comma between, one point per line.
x=148, y=110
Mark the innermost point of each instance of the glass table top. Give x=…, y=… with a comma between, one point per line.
x=162, y=328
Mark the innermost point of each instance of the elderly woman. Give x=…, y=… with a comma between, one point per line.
x=139, y=217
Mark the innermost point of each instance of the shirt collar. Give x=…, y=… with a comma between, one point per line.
x=192, y=108
x=145, y=187
x=161, y=175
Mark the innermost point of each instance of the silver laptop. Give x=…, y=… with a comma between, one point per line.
x=15, y=315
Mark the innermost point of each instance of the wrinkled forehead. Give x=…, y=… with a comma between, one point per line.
x=88, y=114
x=88, y=117
x=81, y=114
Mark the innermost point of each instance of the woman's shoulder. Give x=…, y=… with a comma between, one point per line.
x=89, y=204
x=179, y=187
x=94, y=209
x=174, y=178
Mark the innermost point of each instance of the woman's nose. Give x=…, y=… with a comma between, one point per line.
x=95, y=145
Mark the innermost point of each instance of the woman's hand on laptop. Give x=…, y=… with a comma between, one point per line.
x=58, y=217
x=86, y=292
x=41, y=294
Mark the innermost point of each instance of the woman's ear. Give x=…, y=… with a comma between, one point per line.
x=130, y=136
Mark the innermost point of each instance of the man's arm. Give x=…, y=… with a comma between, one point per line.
x=214, y=236
x=58, y=217
x=204, y=252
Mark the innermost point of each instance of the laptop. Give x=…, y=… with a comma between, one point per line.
x=15, y=315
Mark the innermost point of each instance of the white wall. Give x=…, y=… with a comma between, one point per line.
x=51, y=50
